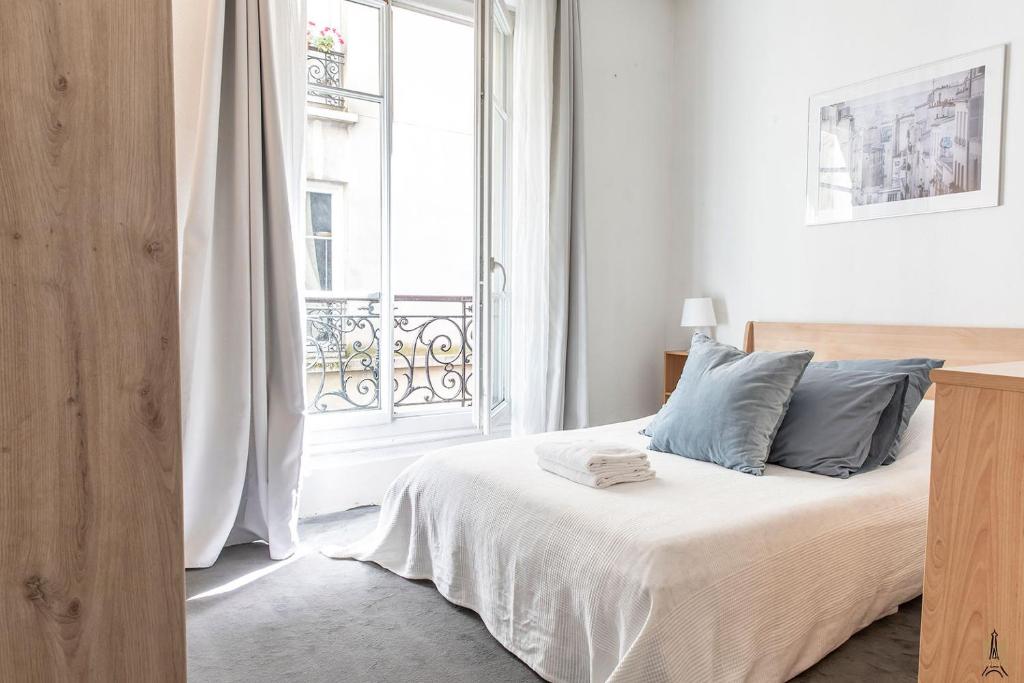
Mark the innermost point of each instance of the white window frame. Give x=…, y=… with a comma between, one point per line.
x=492, y=15
x=351, y=430
x=499, y=413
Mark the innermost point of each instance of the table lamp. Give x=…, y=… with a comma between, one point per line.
x=699, y=313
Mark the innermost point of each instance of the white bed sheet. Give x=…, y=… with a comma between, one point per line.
x=702, y=574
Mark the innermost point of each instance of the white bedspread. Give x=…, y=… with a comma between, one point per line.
x=702, y=574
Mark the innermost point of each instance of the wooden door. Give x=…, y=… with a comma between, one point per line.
x=91, y=568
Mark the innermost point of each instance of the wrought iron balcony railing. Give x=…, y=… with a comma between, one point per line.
x=432, y=359
x=324, y=78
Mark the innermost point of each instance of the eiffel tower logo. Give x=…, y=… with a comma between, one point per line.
x=994, y=667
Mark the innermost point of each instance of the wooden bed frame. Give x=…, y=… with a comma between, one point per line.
x=833, y=341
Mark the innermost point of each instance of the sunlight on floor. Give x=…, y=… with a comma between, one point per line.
x=245, y=580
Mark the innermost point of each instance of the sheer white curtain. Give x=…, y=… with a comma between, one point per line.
x=548, y=360
x=240, y=109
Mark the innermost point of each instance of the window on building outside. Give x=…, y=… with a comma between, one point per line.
x=318, y=241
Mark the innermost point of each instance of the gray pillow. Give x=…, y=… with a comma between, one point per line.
x=918, y=370
x=728, y=405
x=840, y=422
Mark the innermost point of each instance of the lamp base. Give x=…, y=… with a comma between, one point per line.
x=709, y=331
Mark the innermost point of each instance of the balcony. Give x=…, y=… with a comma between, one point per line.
x=432, y=358
x=324, y=78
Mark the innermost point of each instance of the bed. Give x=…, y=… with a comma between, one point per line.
x=701, y=574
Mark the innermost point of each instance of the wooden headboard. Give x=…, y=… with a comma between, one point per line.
x=832, y=341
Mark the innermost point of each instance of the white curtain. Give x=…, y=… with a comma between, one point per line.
x=239, y=112
x=548, y=359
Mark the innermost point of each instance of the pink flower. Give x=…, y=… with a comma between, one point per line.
x=327, y=38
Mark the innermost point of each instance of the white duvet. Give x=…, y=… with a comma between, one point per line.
x=702, y=574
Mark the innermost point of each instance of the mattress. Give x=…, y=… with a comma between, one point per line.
x=701, y=574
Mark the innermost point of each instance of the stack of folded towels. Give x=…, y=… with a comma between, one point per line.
x=594, y=463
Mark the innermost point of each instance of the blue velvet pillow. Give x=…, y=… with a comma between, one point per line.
x=728, y=405
x=918, y=371
x=840, y=422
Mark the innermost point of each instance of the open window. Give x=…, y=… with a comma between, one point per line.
x=406, y=216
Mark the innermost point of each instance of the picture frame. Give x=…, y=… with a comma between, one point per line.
x=922, y=140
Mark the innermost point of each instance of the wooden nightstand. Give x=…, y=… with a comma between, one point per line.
x=674, y=362
x=973, y=616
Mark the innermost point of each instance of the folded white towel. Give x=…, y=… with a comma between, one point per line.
x=596, y=480
x=591, y=456
x=627, y=468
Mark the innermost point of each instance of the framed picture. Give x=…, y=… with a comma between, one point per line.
x=923, y=140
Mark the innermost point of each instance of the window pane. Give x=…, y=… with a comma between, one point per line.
x=343, y=49
x=500, y=220
x=318, y=242
x=346, y=155
x=432, y=170
x=432, y=212
x=498, y=84
x=319, y=214
x=319, y=263
x=343, y=309
x=500, y=215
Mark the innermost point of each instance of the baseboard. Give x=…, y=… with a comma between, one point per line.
x=333, y=482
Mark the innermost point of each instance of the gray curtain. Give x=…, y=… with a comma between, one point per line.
x=241, y=314
x=549, y=349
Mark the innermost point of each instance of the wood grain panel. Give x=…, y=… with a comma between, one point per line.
x=91, y=567
x=832, y=341
x=974, y=576
x=1004, y=376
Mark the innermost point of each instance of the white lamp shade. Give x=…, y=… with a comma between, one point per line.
x=698, y=313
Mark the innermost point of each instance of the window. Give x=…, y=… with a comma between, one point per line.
x=393, y=229
x=326, y=222
x=319, y=241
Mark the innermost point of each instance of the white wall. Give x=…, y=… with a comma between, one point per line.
x=628, y=123
x=744, y=72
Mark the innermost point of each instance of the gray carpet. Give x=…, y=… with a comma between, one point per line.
x=320, y=620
